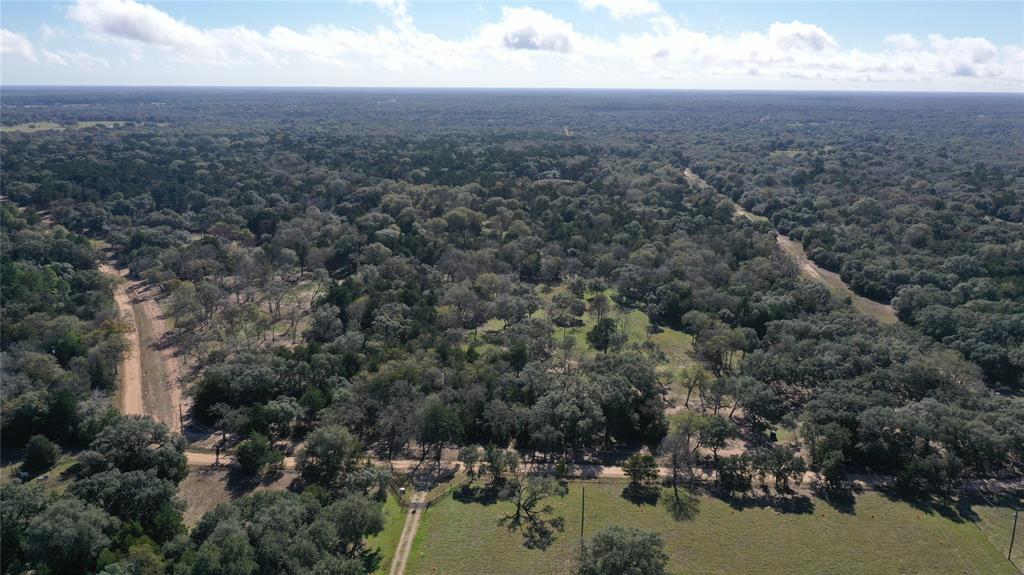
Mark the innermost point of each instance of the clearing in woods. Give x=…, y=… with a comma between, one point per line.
x=149, y=373
x=30, y=127
x=871, y=534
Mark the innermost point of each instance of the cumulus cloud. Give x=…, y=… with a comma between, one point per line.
x=903, y=42
x=797, y=35
x=620, y=9
x=530, y=29
x=526, y=40
x=14, y=43
x=132, y=20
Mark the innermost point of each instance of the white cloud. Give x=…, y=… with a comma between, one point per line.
x=48, y=32
x=79, y=59
x=530, y=29
x=14, y=43
x=527, y=46
x=966, y=57
x=620, y=9
x=797, y=35
x=135, y=21
x=903, y=42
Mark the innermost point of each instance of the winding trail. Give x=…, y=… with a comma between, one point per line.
x=883, y=313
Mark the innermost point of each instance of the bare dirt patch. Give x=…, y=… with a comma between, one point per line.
x=208, y=487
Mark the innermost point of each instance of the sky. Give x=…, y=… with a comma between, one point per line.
x=912, y=45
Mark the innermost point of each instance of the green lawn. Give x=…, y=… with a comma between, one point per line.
x=879, y=536
x=994, y=517
x=386, y=542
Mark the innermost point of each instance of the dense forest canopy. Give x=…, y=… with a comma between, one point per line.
x=405, y=271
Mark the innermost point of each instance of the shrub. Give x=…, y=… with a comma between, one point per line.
x=40, y=454
x=256, y=453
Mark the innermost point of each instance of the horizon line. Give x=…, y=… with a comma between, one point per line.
x=1019, y=92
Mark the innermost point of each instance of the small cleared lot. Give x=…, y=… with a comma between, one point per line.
x=44, y=126
x=873, y=534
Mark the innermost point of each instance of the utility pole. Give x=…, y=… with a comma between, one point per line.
x=1013, y=535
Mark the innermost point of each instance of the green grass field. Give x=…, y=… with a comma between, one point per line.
x=878, y=536
x=386, y=542
x=44, y=126
x=994, y=517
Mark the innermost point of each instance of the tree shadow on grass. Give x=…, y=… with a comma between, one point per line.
x=841, y=499
x=795, y=504
x=541, y=535
x=482, y=494
x=932, y=505
x=681, y=505
x=966, y=503
x=641, y=494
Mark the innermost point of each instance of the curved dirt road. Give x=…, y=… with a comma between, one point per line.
x=884, y=313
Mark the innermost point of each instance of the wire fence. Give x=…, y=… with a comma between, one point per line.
x=997, y=516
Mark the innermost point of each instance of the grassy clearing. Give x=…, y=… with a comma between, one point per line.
x=674, y=344
x=878, y=536
x=32, y=127
x=45, y=126
x=102, y=124
x=786, y=153
x=56, y=479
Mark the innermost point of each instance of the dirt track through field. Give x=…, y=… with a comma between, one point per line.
x=149, y=373
x=412, y=523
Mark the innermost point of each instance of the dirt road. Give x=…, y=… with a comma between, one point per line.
x=149, y=373
x=884, y=313
x=412, y=523
x=129, y=393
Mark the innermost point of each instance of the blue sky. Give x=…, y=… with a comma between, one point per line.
x=909, y=45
